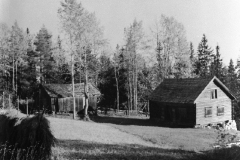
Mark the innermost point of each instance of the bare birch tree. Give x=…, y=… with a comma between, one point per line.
x=69, y=14
x=134, y=38
x=169, y=37
x=84, y=35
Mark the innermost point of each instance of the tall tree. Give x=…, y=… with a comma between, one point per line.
x=134, y=37
x=60, y=66
x=70, y=14
x=43, y=45
x=216, y=65
x=232, y=78
x=172, y=48
x=192, y=59
x=27, y=71
x=116, y=73
x=84, y=36
x=205, y=57
x=4, y=51
x=17, y=51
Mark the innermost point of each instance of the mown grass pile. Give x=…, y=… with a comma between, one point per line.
x=23, y=137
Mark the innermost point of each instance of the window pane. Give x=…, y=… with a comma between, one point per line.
x=208, y=112
x=220, y=111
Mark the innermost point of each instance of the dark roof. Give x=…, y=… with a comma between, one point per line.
x=65, y=90
x=184, y=90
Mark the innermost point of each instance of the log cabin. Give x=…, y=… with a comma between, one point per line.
x=191, y=102
x=58, y=97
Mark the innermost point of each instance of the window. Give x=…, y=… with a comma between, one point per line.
x=214, y=94
x=208, y=112
x=220, y=111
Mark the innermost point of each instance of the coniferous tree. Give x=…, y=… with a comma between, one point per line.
x=216, y=65
x=205, y=58
x=60, y=66
x=28, y=73
x=44, y=49
x=231, y=78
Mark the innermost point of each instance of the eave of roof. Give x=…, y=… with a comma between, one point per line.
x=65, y=90
x=184, y=90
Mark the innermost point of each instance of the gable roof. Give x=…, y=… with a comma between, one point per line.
x=65, y=90
x=184, y=90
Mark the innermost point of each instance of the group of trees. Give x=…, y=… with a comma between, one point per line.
x=124, y=76
x=26, y=60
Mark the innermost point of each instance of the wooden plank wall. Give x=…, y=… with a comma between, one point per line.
x=204, y=100
x=155, y=110
x=162, y=112
x=66, y=104
x=93, y=101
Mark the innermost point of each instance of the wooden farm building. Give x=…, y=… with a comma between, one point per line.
x=191, y=102
x=58, y=97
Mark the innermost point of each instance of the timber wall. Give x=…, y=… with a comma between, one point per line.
x=66, y=104
x=174, y=113
x=204, y=100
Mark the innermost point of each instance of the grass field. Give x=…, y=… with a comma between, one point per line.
x=130, y=138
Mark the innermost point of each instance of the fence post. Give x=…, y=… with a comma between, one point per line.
x=27, y=106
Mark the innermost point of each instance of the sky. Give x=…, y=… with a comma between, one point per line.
x=219, y=20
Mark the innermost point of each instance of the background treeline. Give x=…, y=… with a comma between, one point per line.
x=125, y=75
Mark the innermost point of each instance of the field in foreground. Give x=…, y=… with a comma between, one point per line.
x=122, y=138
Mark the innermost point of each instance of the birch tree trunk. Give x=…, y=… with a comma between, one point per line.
x=86, y=89
x=116, y=78
x=135, y=80
x=16, y=78
x=130, y=87
x=13, y=82
x=73, y=87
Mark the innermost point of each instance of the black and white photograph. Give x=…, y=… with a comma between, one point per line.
x=119, y=80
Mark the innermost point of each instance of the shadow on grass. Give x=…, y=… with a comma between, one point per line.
x=133, y=121
x=77, y=149
x=123, y=120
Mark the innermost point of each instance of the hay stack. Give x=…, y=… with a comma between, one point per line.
x=24, y=137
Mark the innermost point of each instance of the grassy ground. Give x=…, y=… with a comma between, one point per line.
x=77, y=149
x=130, y=138
x=178, y=138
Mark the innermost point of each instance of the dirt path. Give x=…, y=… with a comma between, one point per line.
x=67, y=129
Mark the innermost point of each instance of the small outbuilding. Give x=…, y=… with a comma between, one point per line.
x=58, y=97
x=191, y=101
